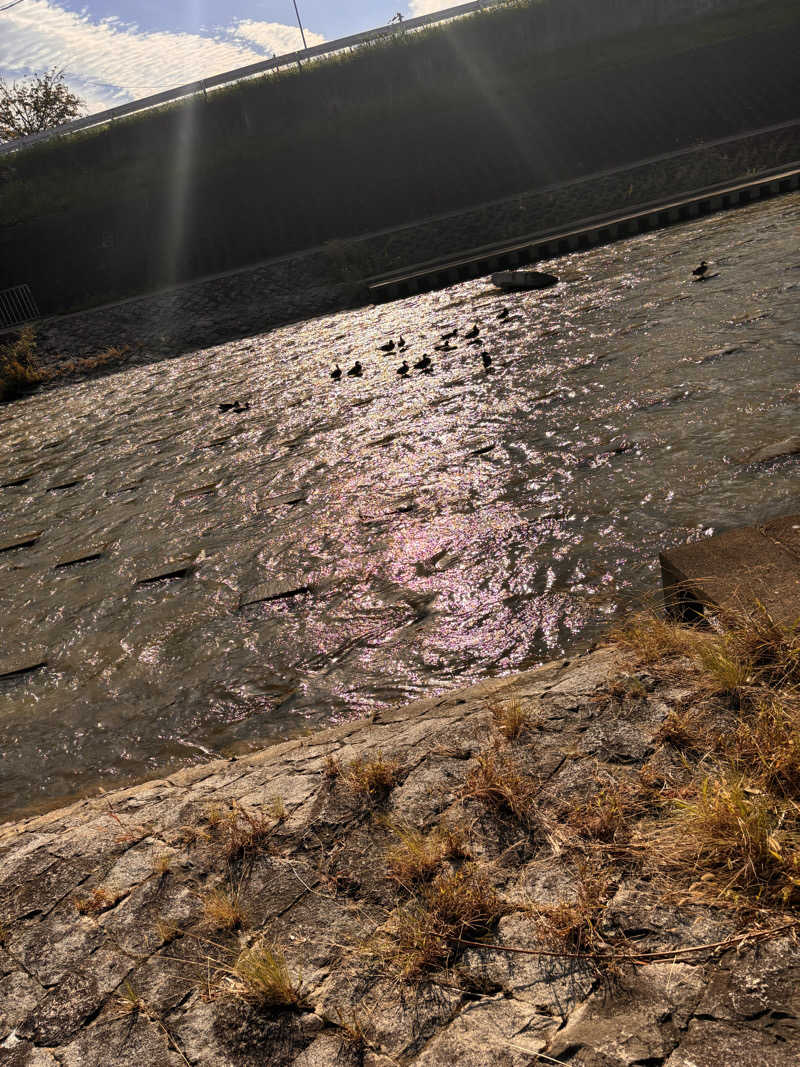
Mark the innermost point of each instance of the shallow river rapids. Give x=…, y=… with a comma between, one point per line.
x=450, y=526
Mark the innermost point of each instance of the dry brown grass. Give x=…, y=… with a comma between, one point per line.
x=767, y=744
x=573, y=925
x=19, y=370
x=99, y=900
x=332, y=768
x=261, y=976
x=371, y=779
x=501, y=782
x=747, y=837
x=652, y=638
x=240, y=832
x=509, y=718
x=417, y=856
x=609, y=815
x=423, y=935
x=222, y=910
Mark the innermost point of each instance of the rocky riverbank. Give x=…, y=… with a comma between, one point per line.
x=501, y=875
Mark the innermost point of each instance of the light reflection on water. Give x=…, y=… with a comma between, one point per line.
x=452, y=525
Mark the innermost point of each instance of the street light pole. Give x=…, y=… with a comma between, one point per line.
x=300, y=24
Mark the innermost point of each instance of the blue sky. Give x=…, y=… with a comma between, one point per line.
x=118, y=50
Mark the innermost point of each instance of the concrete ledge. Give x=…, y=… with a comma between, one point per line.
x=737, y=570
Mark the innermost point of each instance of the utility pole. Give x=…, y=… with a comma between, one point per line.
x=300, y=24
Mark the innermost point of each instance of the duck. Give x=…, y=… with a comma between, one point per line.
x=424, y=363
x=698, y=272
x=402, y=370
x=446, y=347
x=401, y=344
x=486, y=359
x=503, y=313
x=236, y=407
x=473, y=332
x=388, y=347
x=336, y=373
x=450, y=336
x=356, y=370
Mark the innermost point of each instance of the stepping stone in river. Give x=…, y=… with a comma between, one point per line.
x=272, y=591
x=87, y=556
x=24, y=540
x=168, y=572
x=203, y=490
x=11, y=669
x=737, y=570
x=16, y=481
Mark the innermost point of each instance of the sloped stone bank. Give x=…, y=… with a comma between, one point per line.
x=112, y=955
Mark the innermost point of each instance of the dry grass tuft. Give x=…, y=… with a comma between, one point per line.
x=609, y=815
x=681, y=729
x=99, y=900
x=371, y=779
x=19, y=371
x=332, y=768
x=750, y=839
x=423, y=935
x=572, y=925
x=222, y=910
x=261, y=976
x=653, y=639
x=755, y=649
x=241, y=831
x=502, y=783
x=418, y=856
x=767, y=744
x=509, y=718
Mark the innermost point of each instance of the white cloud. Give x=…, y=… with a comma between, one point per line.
x=427, y=7
x=275, y=37
x=110, y=61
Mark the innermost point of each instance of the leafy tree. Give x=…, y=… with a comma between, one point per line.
x=39, y=103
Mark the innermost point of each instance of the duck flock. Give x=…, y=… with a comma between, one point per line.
x=424, y=364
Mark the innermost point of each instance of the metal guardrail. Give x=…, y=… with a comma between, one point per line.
x=17, y=305
x=229, y=77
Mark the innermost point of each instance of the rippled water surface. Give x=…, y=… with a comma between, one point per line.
x=445, y=527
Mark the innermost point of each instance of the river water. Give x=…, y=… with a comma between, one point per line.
x=446, y=527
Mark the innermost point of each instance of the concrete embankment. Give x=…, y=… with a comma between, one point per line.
x=244, y=303
x=322, y=902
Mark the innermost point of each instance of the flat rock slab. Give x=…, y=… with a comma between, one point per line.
x=23, y=540
x=736, y=570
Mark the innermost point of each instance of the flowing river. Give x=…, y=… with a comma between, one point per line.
x=344, y=546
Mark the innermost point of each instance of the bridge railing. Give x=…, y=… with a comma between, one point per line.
x=253, y=69
x=17, y=305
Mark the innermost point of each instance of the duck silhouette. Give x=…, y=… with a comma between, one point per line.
x=388, y=347
x=451, y=335
x=401, y=344
x=424, y=363
x=356, y=370
x=473, y=332
x=402, y=370
x=486, y=359
x=336, y=373
x=446, y=347
x=503, y=314
x=234, y=407
x=700, y=271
